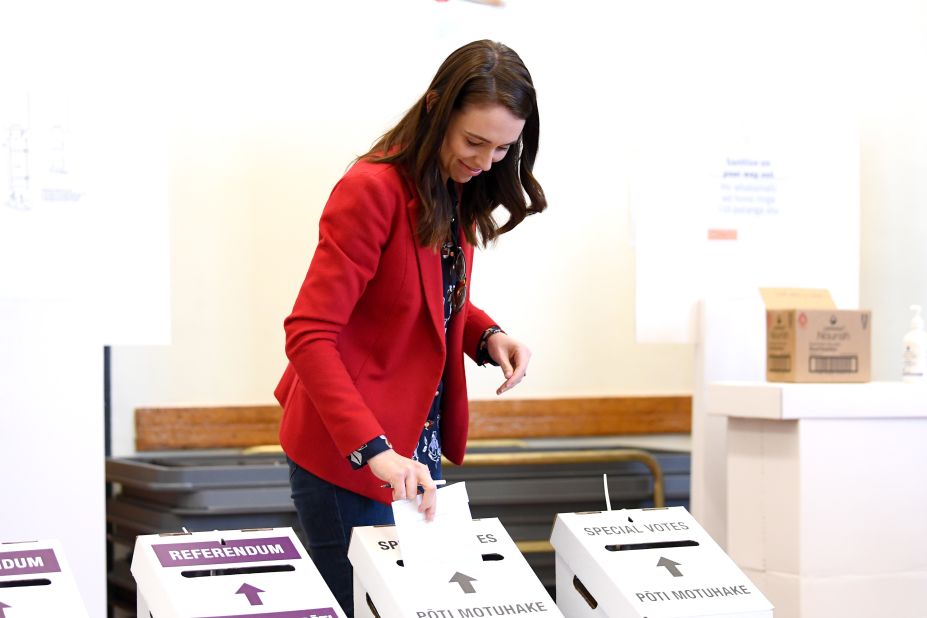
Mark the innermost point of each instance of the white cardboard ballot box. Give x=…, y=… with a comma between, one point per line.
x=263, y=573
x=36, y=582
x=501, y=584
x=647, y=563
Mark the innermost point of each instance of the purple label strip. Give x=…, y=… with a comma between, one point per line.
x=325, y=612
x=234, y=551
x=27, y=562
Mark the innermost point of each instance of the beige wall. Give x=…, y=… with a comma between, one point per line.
x=268, y=106
x=893, y=190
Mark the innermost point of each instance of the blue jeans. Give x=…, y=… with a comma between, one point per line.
x=327, y=514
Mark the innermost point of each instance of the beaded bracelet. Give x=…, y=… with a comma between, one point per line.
x=481, y=352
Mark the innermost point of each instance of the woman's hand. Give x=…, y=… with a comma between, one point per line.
x=512, y=357
x=405, y=475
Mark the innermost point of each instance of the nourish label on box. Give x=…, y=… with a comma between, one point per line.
x=809, y=340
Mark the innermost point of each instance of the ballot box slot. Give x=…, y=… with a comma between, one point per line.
x=654, y=545
x=22, y=583
x=271, y=568
x=486, y=558
x=373, y=608
x=584, y=593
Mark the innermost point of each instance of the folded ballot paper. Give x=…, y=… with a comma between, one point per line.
x=448, y=543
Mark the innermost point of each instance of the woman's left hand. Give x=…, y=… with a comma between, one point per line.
x=512, y=356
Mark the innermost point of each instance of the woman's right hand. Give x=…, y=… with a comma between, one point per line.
x=405, y=475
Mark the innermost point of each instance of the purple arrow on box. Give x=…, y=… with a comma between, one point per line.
x=251, y=593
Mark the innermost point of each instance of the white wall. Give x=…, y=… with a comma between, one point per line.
x=79, y=89
x=51, y=437
x=893, y=272
x=271, y=104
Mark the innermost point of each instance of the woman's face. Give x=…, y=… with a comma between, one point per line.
x=477, y=136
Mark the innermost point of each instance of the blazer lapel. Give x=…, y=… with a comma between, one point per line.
x=429, y=268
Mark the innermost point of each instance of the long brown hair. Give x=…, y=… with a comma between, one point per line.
x=479, y=73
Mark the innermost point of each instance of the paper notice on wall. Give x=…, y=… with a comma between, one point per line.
x=83, y=206
x=49, y=229
x=445, y=545
x=718, y=211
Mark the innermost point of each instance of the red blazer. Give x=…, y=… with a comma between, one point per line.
x=366, y=340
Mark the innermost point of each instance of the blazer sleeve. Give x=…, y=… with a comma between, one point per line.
x=477, y=323
x=353, y=230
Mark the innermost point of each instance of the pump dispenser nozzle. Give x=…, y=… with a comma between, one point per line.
x=915, y=349
x=917, y=322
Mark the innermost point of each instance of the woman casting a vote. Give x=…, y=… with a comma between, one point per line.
x=375, y=391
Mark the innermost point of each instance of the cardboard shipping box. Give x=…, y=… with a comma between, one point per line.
x=809, y=340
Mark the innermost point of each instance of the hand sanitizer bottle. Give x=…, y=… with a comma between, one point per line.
x=915, y=349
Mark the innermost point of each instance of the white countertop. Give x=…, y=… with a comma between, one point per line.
x=779, y=400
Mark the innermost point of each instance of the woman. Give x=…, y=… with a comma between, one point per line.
x=375, y=387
